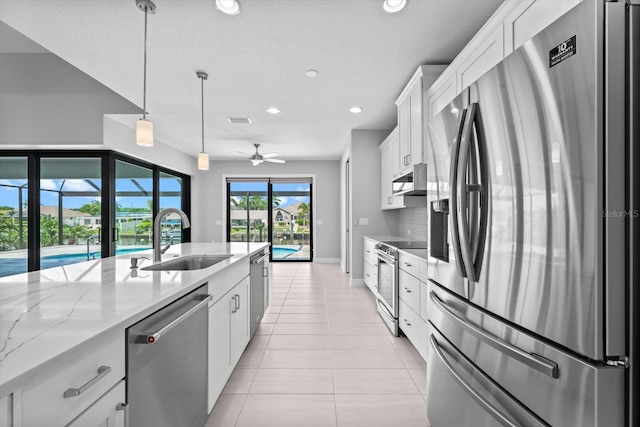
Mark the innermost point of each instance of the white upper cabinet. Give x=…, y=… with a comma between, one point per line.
x=515, y=22
x=411, y=119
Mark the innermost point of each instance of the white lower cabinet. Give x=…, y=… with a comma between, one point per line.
x=109, y=411
x=414, y=328
x=74, y=386
x=228, y=337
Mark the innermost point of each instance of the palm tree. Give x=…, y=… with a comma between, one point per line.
x=303, y=210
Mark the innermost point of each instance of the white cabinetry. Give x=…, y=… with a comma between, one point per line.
x=370, y=265
x=389, y=155
x=412, y=317
x=228, y=336
x=515, y=22
x=411, y=108
x=107, y=411
x=75, y=385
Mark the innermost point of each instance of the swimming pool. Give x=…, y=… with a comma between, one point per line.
x=282, y=253
x=10, y=266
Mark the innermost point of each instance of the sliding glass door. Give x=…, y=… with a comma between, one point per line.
x=14, y=219
x=291, y=230
x=276, y=210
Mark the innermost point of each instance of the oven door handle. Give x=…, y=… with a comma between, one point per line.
x=386, y=258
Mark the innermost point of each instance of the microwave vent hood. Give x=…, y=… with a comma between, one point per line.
x=412, y=182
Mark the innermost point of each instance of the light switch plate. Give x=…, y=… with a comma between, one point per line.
x=364, y=221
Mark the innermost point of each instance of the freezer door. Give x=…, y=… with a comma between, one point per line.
x=482, y=371
x=444, y=261
x=547, y=192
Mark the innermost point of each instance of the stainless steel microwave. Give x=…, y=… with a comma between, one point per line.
x=412, y=182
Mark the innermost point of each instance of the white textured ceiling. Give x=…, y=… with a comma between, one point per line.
x=255, y=60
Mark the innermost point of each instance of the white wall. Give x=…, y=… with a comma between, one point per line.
x=45, y=101
x=122, y=138
x=364, y=164
x=209, y=196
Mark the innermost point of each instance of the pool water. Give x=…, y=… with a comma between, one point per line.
x=10, y=266
x=281, y=253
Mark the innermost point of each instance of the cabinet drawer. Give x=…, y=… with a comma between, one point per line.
x=409, y=290
x=414, y=328
x=90, y=374
x=107, y=411
x=370, y=276
x=409, y=263
x=370, y=252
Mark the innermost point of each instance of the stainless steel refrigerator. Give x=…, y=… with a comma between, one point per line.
x=533, y=241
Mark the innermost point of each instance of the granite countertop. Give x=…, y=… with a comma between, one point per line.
x=51, y=314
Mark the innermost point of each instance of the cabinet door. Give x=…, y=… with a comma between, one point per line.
x=108, y=411
x=219, y=347
x=482, y=59
x=239, y=320
x=404, y=131
x=529, y=18
x=396, y=160
x=415, y=124
x=386, y=199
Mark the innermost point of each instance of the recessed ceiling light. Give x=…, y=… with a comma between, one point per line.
x=393, y=6
x=273, y=110
x=312, y=73
x=355, y=110
x=230, y=7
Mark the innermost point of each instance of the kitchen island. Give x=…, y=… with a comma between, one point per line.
x=53, y=317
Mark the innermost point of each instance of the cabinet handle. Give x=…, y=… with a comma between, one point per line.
x=103, y=371
x=235, y=304
x=124, y=407
x=265, y=271
x=368, y=275
x=406, y=322
x=407, y=290
x=407, y=264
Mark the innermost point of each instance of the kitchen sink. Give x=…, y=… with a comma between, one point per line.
x=189, y=262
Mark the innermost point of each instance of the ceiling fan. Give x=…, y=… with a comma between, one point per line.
x=258, y=158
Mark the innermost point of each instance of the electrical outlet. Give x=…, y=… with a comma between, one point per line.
x=409, y=232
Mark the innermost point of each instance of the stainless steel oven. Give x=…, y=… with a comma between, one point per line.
x=387, y=296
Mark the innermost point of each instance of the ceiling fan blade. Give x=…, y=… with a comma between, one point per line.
x=256, y=162
x=246, y=154
x=275, y=160
x=269, y=155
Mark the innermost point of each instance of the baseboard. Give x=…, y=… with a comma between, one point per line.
x=327, y=260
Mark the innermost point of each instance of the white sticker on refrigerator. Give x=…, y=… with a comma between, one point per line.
x=564, y=50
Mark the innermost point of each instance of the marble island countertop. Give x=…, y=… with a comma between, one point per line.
x=49, y=315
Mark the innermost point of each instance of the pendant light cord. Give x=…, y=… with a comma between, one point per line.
x=202, y=97
x=144, y=79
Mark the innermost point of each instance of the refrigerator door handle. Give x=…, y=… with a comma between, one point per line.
x=471, y=231
x=534, y=361
x=478, y=397
x=453, y=200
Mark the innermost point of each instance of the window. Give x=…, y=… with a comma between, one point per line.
x=64, y=207
x=14, y=219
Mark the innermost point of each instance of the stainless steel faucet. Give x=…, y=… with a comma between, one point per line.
x=157, y=251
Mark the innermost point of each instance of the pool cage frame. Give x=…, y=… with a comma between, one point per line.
x=108, y=234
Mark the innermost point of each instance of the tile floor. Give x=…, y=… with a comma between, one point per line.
x=323, y=357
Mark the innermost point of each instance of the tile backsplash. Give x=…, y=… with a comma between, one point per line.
x=414, y=219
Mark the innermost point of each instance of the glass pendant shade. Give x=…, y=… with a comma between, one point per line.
x=203, y=161
x=144, y=133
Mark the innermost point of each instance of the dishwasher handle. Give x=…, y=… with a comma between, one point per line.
x=261, y=259
x=155, y=337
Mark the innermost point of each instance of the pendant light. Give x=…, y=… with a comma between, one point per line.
x=144, y=128
x=203, y=157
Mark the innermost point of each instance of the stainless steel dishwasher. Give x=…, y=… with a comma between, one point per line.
x=167, y=365
x=259, y=274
